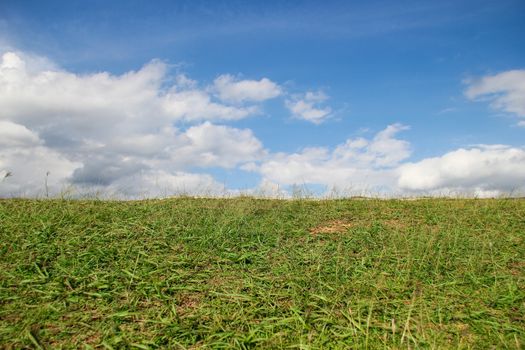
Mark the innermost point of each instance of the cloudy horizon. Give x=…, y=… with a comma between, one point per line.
x=447, y=119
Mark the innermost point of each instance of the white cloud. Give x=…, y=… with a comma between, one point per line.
x=101, y=130
x=145, y=133
x=358, y=163
x=202, y=146
x=30, y=167
x=378, y=166
x=12, y=135
x=195, y=105
x=216, y=145
x=308, y=107
x=481, y=170
x=46, y=99
x=267, y=189
x=24, y=157
x=386, y=150
x=232, y=90
x=506, y=91
x=159, y=183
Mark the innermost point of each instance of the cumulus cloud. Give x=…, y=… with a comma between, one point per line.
x=267, y=189
x=309, y=107
x=137, y=100
x=358, y=163
x=12, y=135
x=232, y=90
x=194, y=105
x=102, y=130
x=484, y=170
x=505, y=90
x=217, y=145
x=379, y=166
x=22, y=154
x=201, y=146
x=34, y=170
x=146, y=133
x=160, y=183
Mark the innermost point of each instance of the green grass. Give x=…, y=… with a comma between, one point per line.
x=245, y=273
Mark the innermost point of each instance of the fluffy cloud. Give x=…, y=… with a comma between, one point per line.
x=202, y=146
x=379, y=166
x=35, y=169
x=22, y=153
x=506, y=91
x=137, y=100
x=194, y=105
x=308, y=107
x=220, y=146
x=106, y=131
x=232, y=90
x=484, y=170
x=160, y=183
x=357, y=164
x=12, y=134
x=146, y=133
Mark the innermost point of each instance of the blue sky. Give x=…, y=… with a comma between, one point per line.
x=449, y=74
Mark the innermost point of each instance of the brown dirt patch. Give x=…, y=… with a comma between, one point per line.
x=92, y=339
x=187, y=303
x=335, y=226
x=517, y=268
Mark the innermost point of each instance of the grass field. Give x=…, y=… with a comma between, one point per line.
x=244, y=273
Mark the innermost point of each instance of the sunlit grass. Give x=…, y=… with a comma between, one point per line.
x=243, y=273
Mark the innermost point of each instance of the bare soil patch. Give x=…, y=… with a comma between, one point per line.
x=335, y=226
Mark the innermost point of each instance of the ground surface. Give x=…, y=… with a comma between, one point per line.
x=245, y=273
